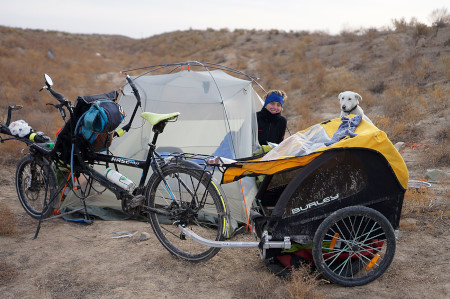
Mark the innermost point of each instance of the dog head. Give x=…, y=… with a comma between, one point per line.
x=349, y=100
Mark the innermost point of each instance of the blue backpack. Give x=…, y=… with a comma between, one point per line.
x=99, y=122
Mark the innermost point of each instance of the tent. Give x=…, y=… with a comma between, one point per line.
x=218, y=117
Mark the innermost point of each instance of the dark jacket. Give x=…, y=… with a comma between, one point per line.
x=271, y=127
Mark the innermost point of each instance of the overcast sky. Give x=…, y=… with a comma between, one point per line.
x=144, y=18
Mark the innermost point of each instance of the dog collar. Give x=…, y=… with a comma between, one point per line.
x=351, y=109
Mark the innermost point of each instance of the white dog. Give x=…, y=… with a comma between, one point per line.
x=349, y=102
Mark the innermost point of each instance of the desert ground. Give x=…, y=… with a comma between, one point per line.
x=71, y=260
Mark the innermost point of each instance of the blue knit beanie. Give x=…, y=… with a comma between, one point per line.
x=274, y=97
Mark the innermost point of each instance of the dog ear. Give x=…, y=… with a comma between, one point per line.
x=339, y=96
x=358, y=97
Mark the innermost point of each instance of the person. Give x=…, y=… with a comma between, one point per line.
x=271, y=124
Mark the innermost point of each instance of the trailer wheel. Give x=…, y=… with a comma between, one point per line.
x=354, y=246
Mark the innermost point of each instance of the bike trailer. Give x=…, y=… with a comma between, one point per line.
x=311, y=176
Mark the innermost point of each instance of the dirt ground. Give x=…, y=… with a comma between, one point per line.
x=71, y=260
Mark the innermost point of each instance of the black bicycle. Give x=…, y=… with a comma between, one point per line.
x=180, y=192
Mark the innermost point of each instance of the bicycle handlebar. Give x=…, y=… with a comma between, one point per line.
x=11, y=108
x=127, y=127
x=57, y=95
x=38, y=138
x=135, y=90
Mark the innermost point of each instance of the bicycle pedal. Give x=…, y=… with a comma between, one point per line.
x=182, y=236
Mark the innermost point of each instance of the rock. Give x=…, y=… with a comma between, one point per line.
x=436, y=175
x=144, y=236
x=399, y=146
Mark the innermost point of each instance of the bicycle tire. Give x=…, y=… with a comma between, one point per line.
x=209, y=220
x=354, y=246
x=35, y=182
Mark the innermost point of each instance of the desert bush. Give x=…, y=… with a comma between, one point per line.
x=295, y=83
x=299, y=50
x=369, y=100
x=304, y=284
x=318, y=73
x=304, y=109
x=340, y=79
x=440, y=17
x=438, y=152
x=438, y=99
x=417, y=201
x=400, y=25
x=370, y=33
x=301, y=283
x=397, y=129
x=421, y=29
x=378, y=87
x=442, y=135
x=349, y=35
x=446, y=65
x=393, y=42
x=401, y=103
x=438, y=155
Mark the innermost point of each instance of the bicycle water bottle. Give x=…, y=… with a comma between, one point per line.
x=119, y=179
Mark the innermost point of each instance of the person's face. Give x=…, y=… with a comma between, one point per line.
x=274, y=107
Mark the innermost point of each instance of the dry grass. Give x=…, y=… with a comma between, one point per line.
x=417, y=201
x=301, y=283
x=305, y=284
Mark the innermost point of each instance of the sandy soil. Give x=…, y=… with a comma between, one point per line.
x=77, y=261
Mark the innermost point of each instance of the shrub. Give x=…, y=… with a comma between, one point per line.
x=417, y=201
x=338, y=80
x=440, y=17
x=438, y=101
x=393, y=42
x=438, y=153
x=446, y=65
x=304, y=284
x=378, y=87
x=400, y=25
x=421, y=29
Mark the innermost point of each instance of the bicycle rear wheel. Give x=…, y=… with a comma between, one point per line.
x=354, y=246
x=35, y=183
x=199, y=205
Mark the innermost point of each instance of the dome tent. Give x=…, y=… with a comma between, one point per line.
x=218, y=117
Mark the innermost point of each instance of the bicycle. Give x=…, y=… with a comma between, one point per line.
x=178, y=193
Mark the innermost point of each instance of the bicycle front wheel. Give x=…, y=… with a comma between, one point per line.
x=354, y=245
x=35, y=184
x=196, y=202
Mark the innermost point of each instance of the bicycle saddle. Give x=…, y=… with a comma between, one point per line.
x=155, y=118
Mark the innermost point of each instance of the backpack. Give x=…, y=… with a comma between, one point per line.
x=99, y=122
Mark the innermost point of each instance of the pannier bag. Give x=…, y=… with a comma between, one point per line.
x=98, y=124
